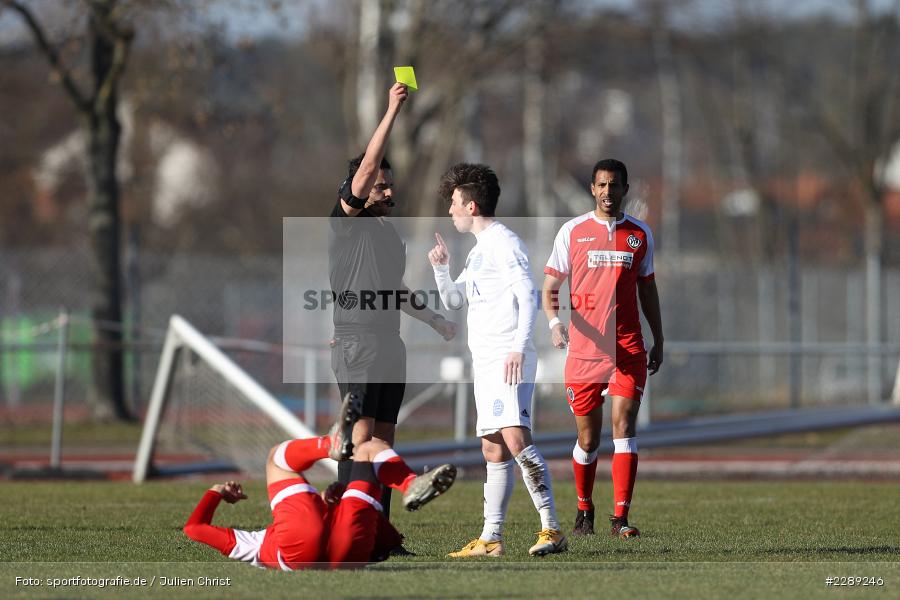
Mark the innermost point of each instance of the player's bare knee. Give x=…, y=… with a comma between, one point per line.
x=588, y=441
x=271, y=458
x=497, y=454
x=362, y=451
x=368, y=449
x=624, y=430
x=492, y=455
x=516, y=448
x=624, y=425
x=363, y=430
x=516, y=439
x=516, y=445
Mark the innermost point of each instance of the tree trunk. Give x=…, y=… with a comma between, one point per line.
x=533, y=88
x=368, y=93
x=670, y=99
x=104, y=131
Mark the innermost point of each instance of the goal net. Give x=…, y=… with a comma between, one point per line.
x=206, y=413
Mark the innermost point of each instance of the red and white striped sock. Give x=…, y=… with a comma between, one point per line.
x=299, y=455
x=392, y=471
x=584, y=465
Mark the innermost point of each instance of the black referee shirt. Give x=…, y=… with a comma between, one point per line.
x=367, y=263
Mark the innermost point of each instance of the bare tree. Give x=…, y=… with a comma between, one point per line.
x=453, y=46
x=534, y=112
x=109, y=39
x=671, y=112
x=859, y=114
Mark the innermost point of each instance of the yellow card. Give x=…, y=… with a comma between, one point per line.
x=406, y=76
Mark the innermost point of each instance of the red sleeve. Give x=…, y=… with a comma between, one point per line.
x=198, y=526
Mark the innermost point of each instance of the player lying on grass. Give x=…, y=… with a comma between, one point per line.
x=341, y=528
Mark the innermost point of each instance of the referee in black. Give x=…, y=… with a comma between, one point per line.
x=367, y=263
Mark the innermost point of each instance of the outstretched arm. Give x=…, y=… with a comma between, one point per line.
x=198, y=526
x=446, y=329
x=649, y=297
x=367, y=173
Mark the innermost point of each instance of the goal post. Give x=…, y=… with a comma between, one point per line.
x=207, y=405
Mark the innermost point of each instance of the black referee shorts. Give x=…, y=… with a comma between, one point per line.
x=374, y=364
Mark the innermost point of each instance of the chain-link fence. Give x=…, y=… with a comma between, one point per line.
x=734, y=344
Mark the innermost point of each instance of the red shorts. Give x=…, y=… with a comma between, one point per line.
x=354, y=526
x=304, y=532
x=298, y=523
x=588, y=381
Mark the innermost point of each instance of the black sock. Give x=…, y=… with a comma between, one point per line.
x=386, y=501
x=344, y=468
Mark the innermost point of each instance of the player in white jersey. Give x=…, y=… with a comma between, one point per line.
x=497, y=285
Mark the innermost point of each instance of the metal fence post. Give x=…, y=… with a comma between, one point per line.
x=873, y=328
x=461, y=415
x=59, y=392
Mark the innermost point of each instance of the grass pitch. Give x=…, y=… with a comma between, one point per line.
x=699, y=540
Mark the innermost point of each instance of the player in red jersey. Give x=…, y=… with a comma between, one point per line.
x=607, y=256
x=341, y=528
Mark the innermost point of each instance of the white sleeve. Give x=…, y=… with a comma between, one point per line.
x=525, y=297
x=558, y=263
x=517, y=274
x=452, y=292
x=646, y=267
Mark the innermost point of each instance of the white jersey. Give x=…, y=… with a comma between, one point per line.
x=498, y=287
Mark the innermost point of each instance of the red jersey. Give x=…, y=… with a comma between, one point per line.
x=603, y=261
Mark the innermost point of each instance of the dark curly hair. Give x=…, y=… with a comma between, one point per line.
x=476, y=183
x=613, y=166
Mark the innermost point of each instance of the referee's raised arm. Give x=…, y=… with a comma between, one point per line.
x=367, y=173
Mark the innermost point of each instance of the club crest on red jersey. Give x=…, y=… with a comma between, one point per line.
x=633, y=241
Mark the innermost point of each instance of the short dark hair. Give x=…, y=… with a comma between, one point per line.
x=353, y=165
x=476, y=183
x=613, y=166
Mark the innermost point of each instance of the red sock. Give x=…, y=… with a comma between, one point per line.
x=584, y=483
x=392, y=471
x=624, y=472
x=299, y=455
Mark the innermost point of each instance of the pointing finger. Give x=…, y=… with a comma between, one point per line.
x=440, y=240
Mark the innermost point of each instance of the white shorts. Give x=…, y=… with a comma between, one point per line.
x=499, y=404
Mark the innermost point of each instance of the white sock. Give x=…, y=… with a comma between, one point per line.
x=582, y=457
x=537, y=480
x=626, y=445
x=498, y=489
